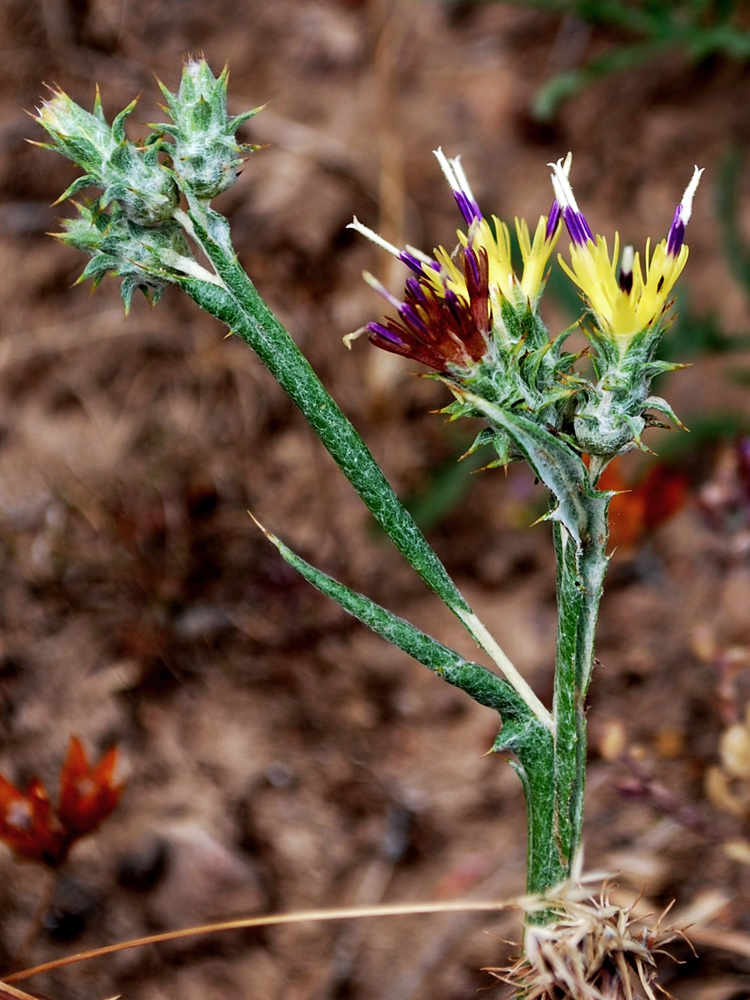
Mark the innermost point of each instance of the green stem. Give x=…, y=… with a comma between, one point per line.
x=535, y=766
x=236, y=303
x=568, y=779
x=580, y=575
x=579, y=513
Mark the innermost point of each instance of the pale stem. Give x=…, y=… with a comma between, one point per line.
x=482, y=636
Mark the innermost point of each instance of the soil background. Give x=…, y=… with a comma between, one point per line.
x=277, y=756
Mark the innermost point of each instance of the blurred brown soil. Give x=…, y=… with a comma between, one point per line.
x=277, y=756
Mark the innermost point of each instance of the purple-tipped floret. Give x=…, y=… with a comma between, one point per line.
x=414, y=289
x=467, y=207
x=552, y=219
x=382, y=331
x=412, y=317
x=451, y=299
x=676, y=236
x=471, y=261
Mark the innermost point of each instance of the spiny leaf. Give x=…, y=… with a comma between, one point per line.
x=484, y=687
x=580, y=508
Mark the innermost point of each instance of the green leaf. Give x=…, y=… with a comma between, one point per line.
x=522, y=733
x=480, y=683
x=580, y=508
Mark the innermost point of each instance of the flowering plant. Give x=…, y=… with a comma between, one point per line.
x=469, y=317
x=35, y=831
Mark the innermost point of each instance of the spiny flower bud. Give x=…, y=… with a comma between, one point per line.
x=206, y=155
x=128, y=174
x=142, y=256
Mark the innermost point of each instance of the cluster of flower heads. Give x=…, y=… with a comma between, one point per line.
x=451, y=316
x=35, y=831
x=452, y=312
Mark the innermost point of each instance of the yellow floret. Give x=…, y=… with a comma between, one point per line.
x=622, y=314
x=535, y=256
x=495, y=241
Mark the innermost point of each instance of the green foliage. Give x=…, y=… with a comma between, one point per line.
x=521, y=734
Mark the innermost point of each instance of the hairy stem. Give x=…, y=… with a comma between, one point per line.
x=580, y=574
x=236, y=302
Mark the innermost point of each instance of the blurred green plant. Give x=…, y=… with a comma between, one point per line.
x=644, y=30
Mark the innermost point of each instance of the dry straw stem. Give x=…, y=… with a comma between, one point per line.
x=11, y=993
x=345, y=913
x=595, y=949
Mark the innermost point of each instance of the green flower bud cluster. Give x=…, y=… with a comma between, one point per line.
x=206, y=155
x=527, y=374
x=136, y=229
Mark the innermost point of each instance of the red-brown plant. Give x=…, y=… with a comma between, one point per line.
x=35, y=831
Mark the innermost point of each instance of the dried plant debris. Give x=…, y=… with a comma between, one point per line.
x=592, y=950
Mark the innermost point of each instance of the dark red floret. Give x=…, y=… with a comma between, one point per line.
x=441, y=331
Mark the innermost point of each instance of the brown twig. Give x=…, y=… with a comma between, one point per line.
x=346, y=913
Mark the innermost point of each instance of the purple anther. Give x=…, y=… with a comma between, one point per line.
x=676, y=236
x=682, y=214
x=412, y=317
x=468, y=207
x=625, y=281
x=411, y=261
x=382, y=331
x=414, y=289
x=471, y=261
x=552, y=220
x=452, y=302
x=578, y=228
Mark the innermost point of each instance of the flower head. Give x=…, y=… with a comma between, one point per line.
x=28, y=825
x=633, y=297
x=452, y=311
x=88, y=795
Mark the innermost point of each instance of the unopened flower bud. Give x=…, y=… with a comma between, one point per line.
x=206, y=154
x=128, y=174
x=142, y=256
